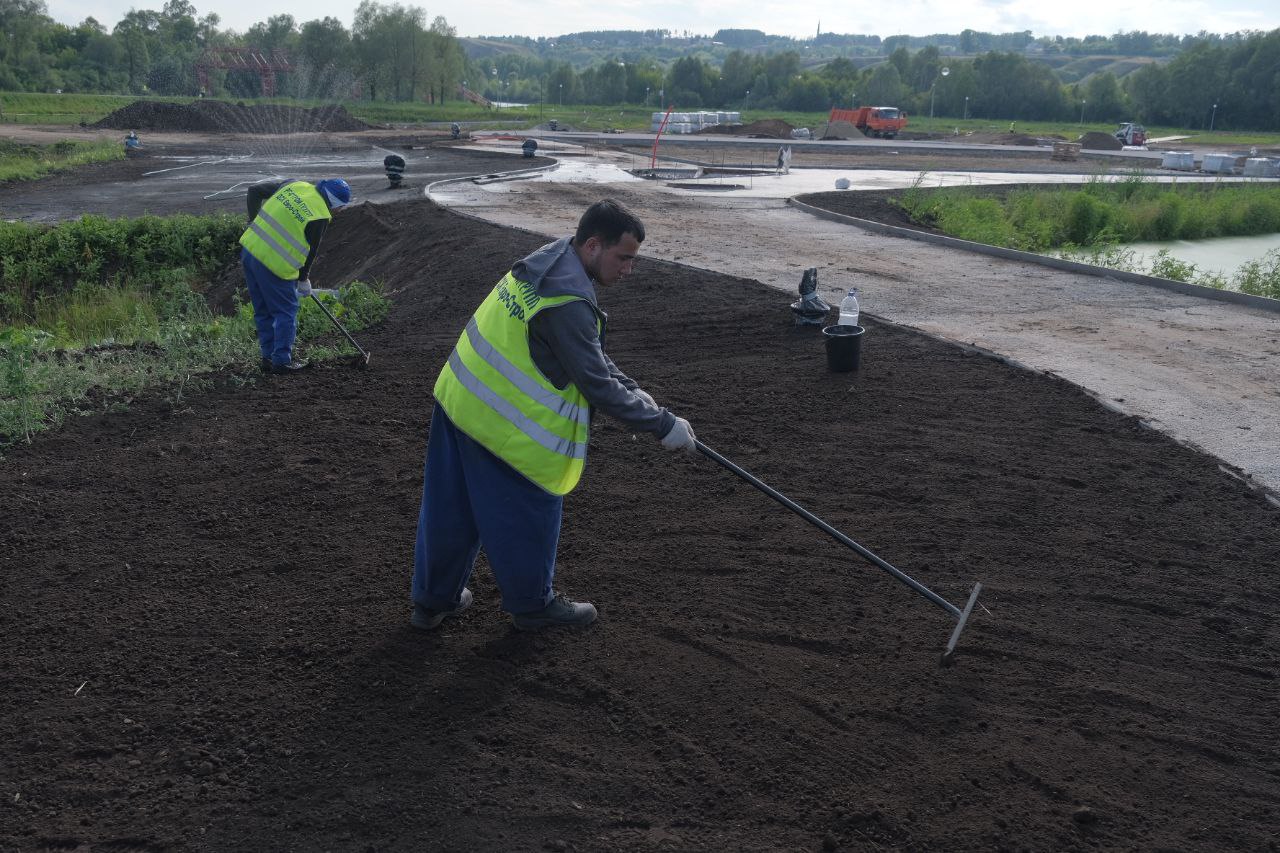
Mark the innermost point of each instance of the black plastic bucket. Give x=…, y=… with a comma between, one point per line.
x=844, y=347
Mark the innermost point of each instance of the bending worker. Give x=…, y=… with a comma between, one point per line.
x=508, y=435
x=286, y=223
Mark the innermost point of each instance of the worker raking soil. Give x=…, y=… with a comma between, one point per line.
x=509, y=433
x=287, y=221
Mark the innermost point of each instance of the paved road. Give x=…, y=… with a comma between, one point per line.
x=1205, y=372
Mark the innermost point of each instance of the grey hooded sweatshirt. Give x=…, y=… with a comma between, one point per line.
x=566, y=348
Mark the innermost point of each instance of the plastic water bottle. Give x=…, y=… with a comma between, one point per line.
x=849, y=308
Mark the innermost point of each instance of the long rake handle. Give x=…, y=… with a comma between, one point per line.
x=339, y=327
x=840, y=537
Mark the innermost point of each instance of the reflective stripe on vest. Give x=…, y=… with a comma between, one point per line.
x=277, y=235
x=493, y=391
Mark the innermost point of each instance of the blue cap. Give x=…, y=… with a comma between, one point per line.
x=336, y=192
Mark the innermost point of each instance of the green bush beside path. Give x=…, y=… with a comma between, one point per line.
x=96, y=311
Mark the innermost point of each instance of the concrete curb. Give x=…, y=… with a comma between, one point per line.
x=914, y=145
x=491, y=178
x=520, y=174
x=853, y=170
x=1043, y=260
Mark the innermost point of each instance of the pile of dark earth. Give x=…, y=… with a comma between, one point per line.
x=224, y=117
x=205, y=639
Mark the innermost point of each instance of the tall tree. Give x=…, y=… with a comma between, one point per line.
x=322, y=62
x=736, y=76
x=691, y=82
x=447, y=59
x=1011, y=86
x=1105, y=100
x=22, y=24
x=884, y=86
x=367, y=48
x=136, y=30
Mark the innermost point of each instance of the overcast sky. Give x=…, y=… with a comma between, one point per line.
x=800, y=19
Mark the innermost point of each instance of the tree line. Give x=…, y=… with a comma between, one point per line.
x=393, y=52
x=966, y=42
x=1226, y=83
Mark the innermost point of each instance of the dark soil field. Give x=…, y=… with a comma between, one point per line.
x=204, y=643
x=876, y=205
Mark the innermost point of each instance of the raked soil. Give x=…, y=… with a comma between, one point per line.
x=204, y=643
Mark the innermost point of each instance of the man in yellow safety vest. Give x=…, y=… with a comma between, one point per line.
x=508, y=436
x=286, y=223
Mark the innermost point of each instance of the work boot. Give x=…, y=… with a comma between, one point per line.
x=265, y=365
x=561, y=612
x=426, y=619
x=292, y=367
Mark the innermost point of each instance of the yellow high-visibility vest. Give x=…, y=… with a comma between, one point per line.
x=277, y=235
x=494, y=392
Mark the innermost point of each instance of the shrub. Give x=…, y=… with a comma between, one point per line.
x=1086, y=217
x=1261, y=277
x=144, y=254
x=1167, y=223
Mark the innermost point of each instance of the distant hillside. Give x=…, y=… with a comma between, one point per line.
x=1074, y=60
x=1074, y=69
x=586, y=50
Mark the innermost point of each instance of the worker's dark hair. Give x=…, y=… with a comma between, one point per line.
x=608, y=220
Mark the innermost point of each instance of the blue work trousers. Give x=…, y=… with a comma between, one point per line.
x=275, y=309
x=471, y=498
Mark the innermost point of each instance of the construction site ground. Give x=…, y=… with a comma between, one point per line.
x=206, y=646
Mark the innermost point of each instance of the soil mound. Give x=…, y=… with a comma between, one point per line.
x=841, y=130
x=769, y=128
x=186, y=654
x=1100, y=141
x=220, y=116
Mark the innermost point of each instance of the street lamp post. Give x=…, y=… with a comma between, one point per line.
x=942, y=72
x=966, y=107
x=1212, y=117
x=1082, y=103
x=746, y=100
x=646, y=96
x=561, y=85
x=853, y=100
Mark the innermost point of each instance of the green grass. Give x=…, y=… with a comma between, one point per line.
x=96, y=311
x=20, y=162
x=149, y=253
x=1092, y=223
x=167, y=343
x=35, y=108
x=1101, y=212
x=41, y=108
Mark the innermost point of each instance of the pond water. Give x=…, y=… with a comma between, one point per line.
x=1218, y=254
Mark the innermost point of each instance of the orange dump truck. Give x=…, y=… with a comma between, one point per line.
x=872, y=121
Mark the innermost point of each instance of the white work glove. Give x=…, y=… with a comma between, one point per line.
x=644, y=395
x=680, y=437
x=303, y=287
